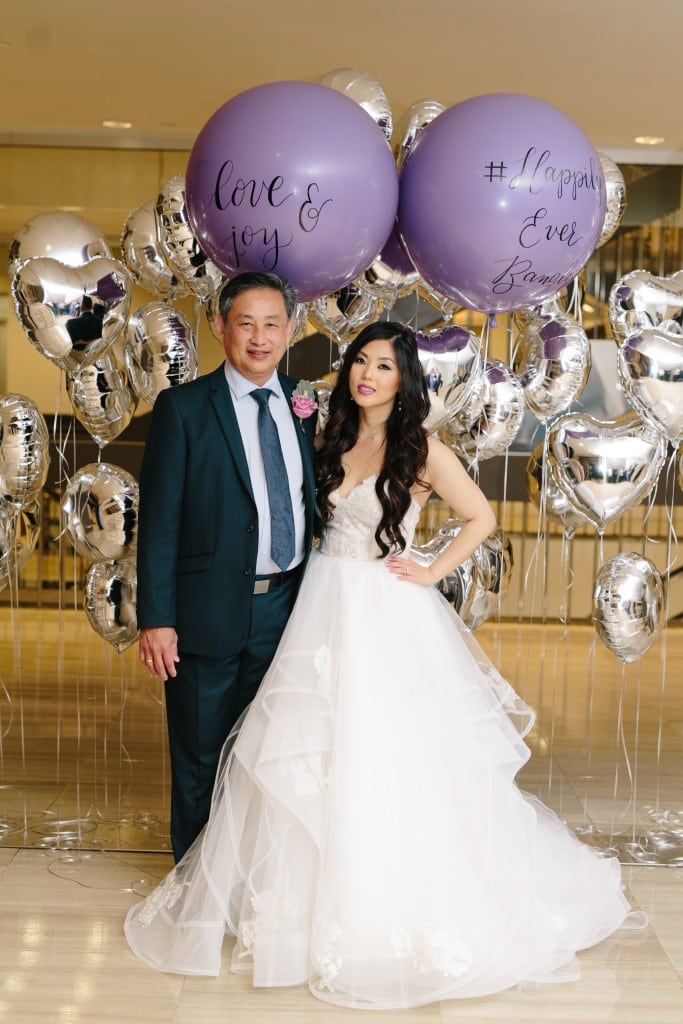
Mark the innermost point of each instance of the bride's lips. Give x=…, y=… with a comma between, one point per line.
x=364, y=390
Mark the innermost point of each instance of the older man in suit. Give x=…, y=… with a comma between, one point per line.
x=221, y=548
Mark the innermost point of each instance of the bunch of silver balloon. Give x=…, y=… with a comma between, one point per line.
x=100, y=515
x=24, y=463
x=72, y=300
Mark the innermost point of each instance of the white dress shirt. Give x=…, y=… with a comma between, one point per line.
x=246, y=410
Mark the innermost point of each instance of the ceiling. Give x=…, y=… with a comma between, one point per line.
x=613, y=66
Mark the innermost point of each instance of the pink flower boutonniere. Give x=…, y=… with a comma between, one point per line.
x=303, y=401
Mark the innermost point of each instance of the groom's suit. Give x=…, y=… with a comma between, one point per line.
x=197, y=549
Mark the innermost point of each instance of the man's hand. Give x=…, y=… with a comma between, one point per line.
x=159, y=650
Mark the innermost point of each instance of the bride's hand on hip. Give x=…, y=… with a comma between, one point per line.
x=410, y=572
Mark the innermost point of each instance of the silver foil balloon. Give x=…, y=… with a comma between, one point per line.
x=144, y=256
x=24, y=450
x=628, y=602
x=650, y=365
x=100, y=512
x=360, y=86
x=615, y=187
x=341, y=315
x=410, y=124
x=452, y=363
x=179, y=245
x=19, y=532
x=392, y=275
x=604, y=468
x=323, y=390
x=50, y=300
x=640, y=300
x=111, y=601
x=101, y=398
x=488, y=579
x=160, y=350
x=460, y=584
x=552, y=359
x=545, y=493
x=61, y=236
x=490, y=421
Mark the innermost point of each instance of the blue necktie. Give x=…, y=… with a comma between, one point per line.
x=277, y=482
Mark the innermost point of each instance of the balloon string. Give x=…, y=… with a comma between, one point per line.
x=671, y=536
x=575, y=310
x=621, y=742
x=533, y=565
x=591, y=665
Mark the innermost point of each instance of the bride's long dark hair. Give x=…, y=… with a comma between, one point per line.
x=405, y=453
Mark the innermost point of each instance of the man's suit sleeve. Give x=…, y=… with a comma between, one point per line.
x=160, y=513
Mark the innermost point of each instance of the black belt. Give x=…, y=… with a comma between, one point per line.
x=262, y=584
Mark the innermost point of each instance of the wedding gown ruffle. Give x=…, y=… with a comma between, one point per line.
x=367, y=836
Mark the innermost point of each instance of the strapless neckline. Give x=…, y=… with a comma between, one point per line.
x=361, y=483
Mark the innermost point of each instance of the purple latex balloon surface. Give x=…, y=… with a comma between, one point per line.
x=296, y=179
x=502, y=202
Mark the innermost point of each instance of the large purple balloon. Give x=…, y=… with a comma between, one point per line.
x=293, y=178
x=502, y=202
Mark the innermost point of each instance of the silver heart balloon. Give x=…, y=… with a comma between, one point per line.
x=604, y=468
x=59, y=235
x=110, y=601
x=178, y=243
x=392, y=275
x=615, y=188
x=490, y=421
x=628, y=603
x=650, y=365
x=19, y=533
x=459, y=585
x=24, y=450
x=487, y=580
x=100, y=512
x=160, y=350
x=72, y=314
x=144, y=256
x=341, y=315
x=101, y=398
x=360, y=86
x=552, y=359
x=641, y=300
x=545, y=492
x=452, y=363
x=409, y=126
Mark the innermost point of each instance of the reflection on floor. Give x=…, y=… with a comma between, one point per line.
x=84, y=818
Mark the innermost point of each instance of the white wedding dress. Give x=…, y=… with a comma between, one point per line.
x=367, y=837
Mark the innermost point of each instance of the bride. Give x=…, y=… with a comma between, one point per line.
x=367, y=836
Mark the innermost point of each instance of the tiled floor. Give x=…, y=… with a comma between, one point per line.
x=83, y=783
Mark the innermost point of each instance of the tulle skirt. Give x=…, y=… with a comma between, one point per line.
x=367, y=836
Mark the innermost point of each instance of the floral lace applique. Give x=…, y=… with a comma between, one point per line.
x=306, y=772
x=327, y=960
x=433, y=949
x=165, y=895
x=322, y=663
x=271, y=912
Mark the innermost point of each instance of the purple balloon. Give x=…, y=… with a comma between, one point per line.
x=296, y=179
x=502, y=202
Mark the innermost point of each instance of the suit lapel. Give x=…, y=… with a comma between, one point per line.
x=221, y=401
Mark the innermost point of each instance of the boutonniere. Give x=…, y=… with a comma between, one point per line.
x=303, y=400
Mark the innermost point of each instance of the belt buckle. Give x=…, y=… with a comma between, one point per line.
x=261, y=586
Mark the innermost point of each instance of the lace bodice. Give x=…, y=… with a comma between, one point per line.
x=351, y=533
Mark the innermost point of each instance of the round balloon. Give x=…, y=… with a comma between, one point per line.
x=615, y=197
x=628, y=603
x=19, y=532
x=159, y=350
x=100, y=512
x=292, y=178
x=110, y=601
x=101, y=398
x=502, y=201
x=360, y=86
x=143, y=255
x=24, y=450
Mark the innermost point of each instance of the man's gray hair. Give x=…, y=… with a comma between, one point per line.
x=245, y=282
